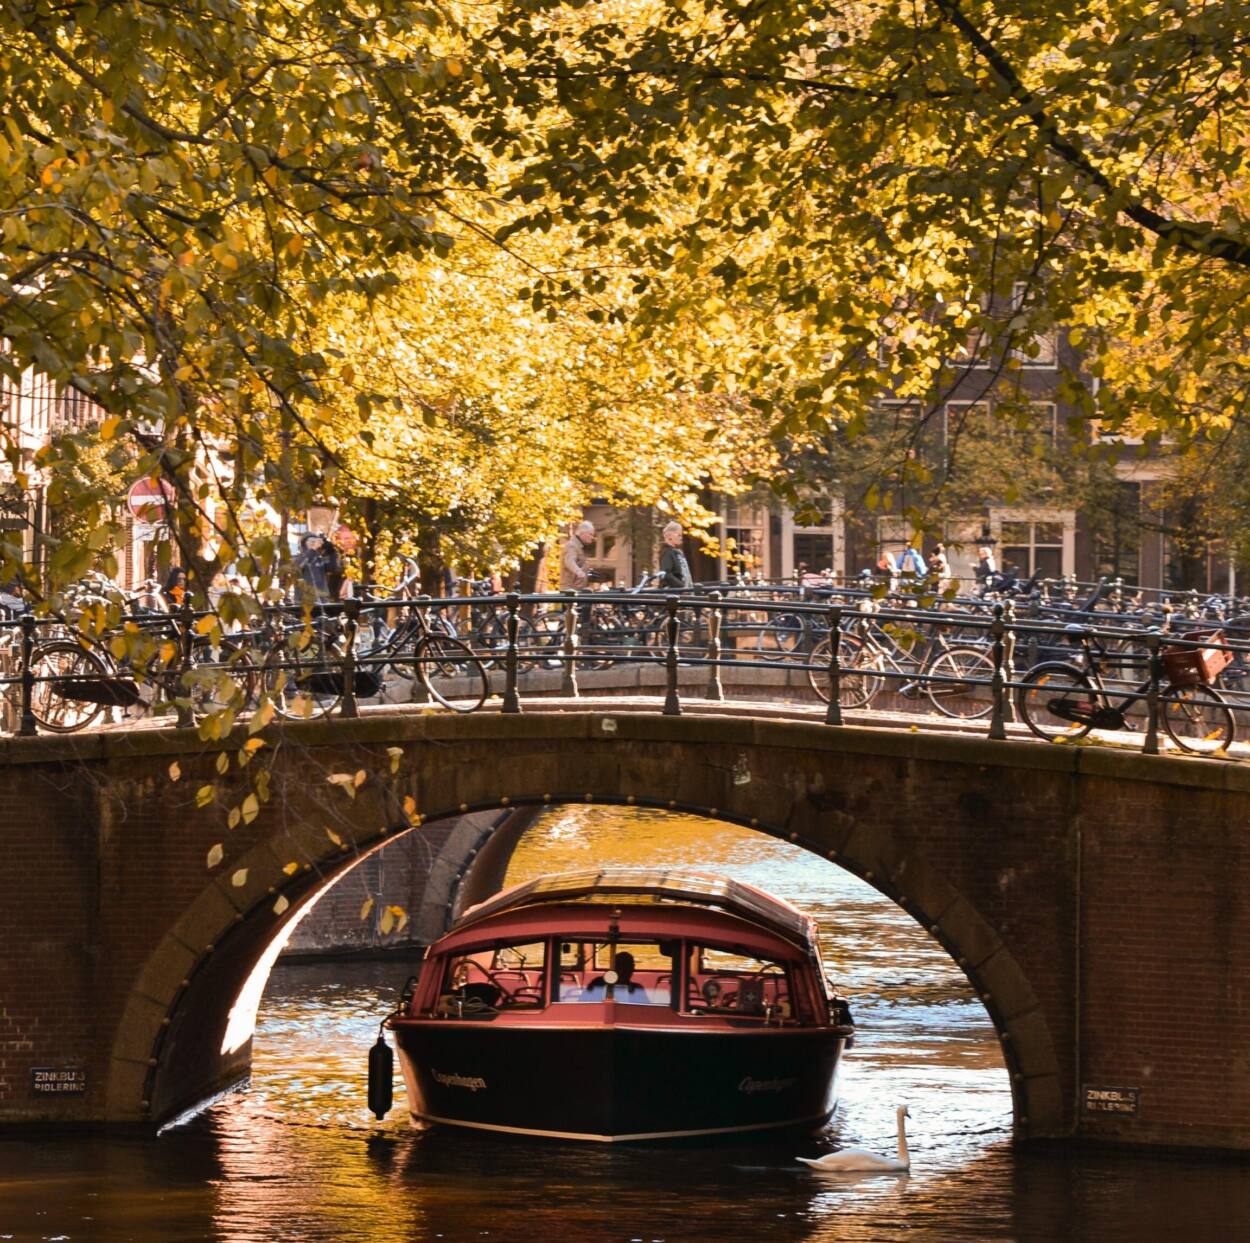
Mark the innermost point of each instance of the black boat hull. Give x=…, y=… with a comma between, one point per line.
x=618, y=1083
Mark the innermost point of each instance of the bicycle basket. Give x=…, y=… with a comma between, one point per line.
x=1195, y=666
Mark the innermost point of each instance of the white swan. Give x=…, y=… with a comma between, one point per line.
x=860, y=1160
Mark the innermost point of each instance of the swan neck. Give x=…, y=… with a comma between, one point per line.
x=902, y=1140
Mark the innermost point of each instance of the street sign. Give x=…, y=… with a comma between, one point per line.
x=149, y=499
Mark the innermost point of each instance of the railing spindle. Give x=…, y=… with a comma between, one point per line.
x=568, y=683
x=672, y=703
x=512, y=700
x=1151, y=744
x=715, y=687
x=998, y=717
x=26, y=725
x=351, y=628
x=833, y=714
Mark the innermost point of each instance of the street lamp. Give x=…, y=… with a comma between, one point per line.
x=322, y=516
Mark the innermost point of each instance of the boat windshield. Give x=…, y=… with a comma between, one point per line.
x=726, y=981
x=504, y=977
x=640, y=972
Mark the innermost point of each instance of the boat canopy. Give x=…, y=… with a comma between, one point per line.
x=664, y=885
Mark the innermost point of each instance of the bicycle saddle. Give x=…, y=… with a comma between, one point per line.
x=1076, y=631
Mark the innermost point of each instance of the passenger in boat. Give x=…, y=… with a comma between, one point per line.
x=626, y=989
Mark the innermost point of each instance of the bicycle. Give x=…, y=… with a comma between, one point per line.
x=1063, y=700
x=954, y=678
x=304, y=672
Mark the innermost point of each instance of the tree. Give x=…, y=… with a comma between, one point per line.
x=847, y=195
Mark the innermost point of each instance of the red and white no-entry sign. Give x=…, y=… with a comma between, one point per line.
x=149, y=499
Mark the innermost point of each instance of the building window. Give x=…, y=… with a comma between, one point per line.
x=744, y=539
x=1034, y=351
x=1117, y=535
x=1031, y=548
x=813, y=540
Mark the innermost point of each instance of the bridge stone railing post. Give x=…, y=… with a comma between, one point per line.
x=568, y=682
x=672, y=703
x=26, y=722
x=998, y=715
x=1151, y=743
x=351, y=628
x=512, y=700
x=715, y=687
x=833, y=714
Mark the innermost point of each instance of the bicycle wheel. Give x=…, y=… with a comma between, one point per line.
x=1056, y=701
x=858, y=683
x=490, y=641
x=962, y=688
x=302, y=676
x=1197, y=719
x=782, y=637
x=52, y=703
x=219, y=678
x=452, y=674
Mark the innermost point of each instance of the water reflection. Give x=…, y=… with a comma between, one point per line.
x=296, y=1157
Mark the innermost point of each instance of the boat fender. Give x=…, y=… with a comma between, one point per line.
x=381, y=1078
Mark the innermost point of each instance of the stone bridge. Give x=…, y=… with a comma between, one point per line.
x=1096, y=899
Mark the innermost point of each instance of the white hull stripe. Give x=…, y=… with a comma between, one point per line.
x=814, y=1120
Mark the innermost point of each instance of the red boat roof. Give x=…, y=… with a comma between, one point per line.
x=659, y=885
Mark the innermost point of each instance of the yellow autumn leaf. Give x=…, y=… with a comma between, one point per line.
x=108, y=429
x=359, y=778
x=175, y=771
x=366, y=908
x=215, y=855
x=396, y=754
x=184, y=372
x=204, y=795
x=107, y=112
x=239, y=879
x=253, y=744
x=261, y=717
x=281, y=904
x=250, y=808
x=334, y=837
x=223, y=762
x=294, y=246
x=232, y=820
x=410, y=806
x=291, y=868
x=387, y=922
x=205, y=624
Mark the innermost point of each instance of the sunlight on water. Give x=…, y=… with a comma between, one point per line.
x=297, y=1156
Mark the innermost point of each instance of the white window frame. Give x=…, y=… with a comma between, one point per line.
x=1029, y=513
x=836, y=530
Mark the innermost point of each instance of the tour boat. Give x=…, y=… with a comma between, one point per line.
x=624, y=1004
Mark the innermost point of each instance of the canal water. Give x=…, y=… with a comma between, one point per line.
x=296, y=1156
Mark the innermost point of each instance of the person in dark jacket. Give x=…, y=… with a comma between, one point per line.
x=320, y=565
x=674, y=569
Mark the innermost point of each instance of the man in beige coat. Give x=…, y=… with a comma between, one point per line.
x=574, y=572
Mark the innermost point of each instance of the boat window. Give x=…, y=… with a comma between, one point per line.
x=506, y=977
x=723, y=980
x=648, y=971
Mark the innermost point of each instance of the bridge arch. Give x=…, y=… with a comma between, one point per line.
x=185, y=1028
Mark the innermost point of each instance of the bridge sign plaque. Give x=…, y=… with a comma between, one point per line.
x=59, y=1080
x=1111, y=1100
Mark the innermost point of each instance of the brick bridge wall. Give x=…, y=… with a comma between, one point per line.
x=1095, y=899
